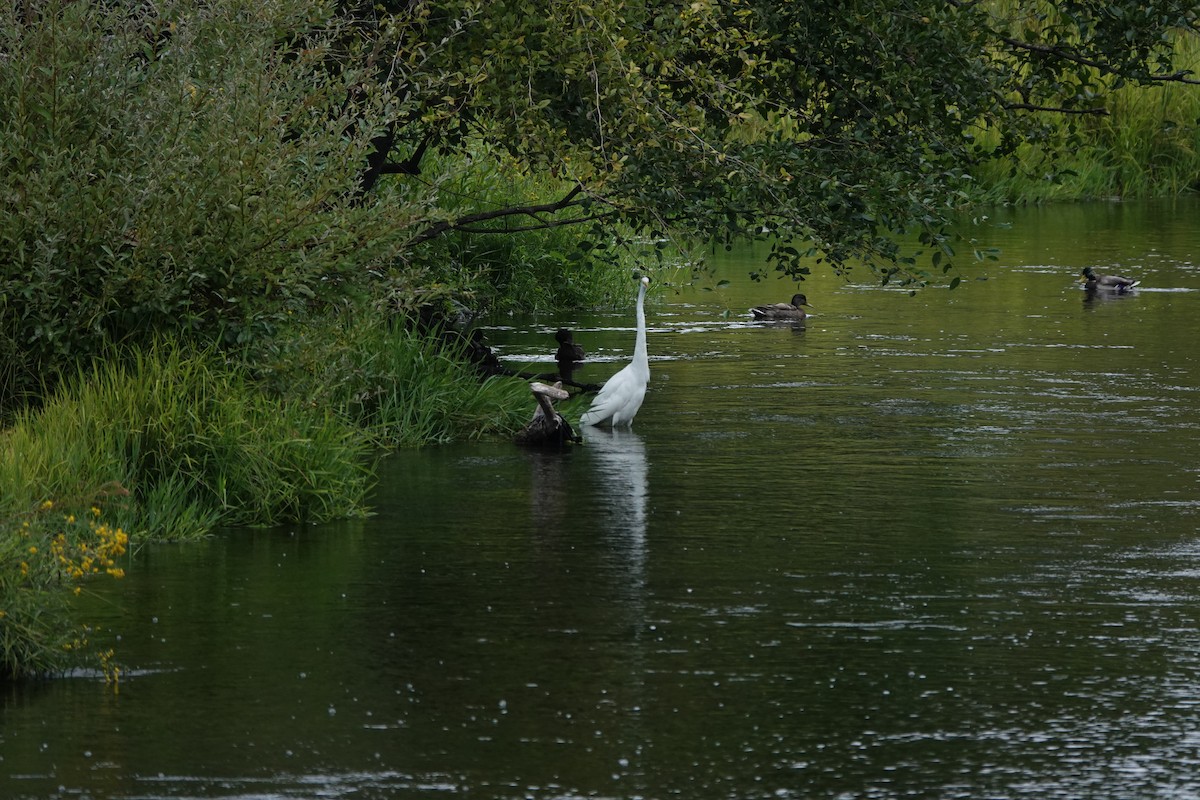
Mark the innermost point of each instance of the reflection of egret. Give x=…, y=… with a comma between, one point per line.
x=791, y=311
x=622, y=395
x=619, y=458
x=618, y=483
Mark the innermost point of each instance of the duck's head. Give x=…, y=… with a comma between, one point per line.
x=800, y=300
x=1088, y=274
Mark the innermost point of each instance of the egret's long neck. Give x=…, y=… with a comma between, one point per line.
x=639, y=349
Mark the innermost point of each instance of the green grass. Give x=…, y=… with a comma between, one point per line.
x=396, y=387
x=1148, y=145
x=192, y=441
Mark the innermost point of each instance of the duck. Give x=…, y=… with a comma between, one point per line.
x=569, y=353
x=792, y=310
x=1113, y=283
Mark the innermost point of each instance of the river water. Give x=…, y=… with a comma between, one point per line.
x=943, y=546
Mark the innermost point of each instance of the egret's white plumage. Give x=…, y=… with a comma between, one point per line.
x=618, y=402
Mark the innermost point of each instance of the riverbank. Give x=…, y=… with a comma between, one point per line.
x=169, y=442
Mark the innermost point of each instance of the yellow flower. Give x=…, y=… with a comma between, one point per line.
x=33, y=550
x=95, y=511
x=70, y=519
x=48, y=504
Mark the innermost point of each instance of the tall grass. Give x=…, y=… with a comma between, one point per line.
x=397, y=387
x=170, y=441
x=191, y=440
x=1147, y=145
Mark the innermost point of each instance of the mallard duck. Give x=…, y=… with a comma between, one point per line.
x=790, y=310
x=568, y=348
x=1112, y=283
x=569, y=353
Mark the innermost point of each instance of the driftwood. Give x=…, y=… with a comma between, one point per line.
x=548, y=428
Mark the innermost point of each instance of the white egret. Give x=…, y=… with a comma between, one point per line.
x=621, y=397
x=792, y=310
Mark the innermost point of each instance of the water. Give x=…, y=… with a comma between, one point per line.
x=943, y=546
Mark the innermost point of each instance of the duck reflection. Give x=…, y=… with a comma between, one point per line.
x=1091, y=297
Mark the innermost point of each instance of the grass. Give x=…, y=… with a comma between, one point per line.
x=397, y=388
x=1148, y=145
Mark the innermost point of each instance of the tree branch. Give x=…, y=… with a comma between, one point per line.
x=378, y=164
x=1180, y=76
x=463, y=223
x=1101, y=112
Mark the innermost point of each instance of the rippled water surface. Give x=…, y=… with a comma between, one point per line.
x=944, y=546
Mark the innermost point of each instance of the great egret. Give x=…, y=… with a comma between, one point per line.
x=1111, y=283
x=792, y=310
x=621, y=397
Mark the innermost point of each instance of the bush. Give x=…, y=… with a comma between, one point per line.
x=159, y=177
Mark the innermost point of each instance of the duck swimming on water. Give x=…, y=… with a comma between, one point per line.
x=792, y=310
x=1111, y=283
x=569, y=353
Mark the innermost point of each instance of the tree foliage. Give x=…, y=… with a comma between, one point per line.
x=832, y=124
x=223, y=167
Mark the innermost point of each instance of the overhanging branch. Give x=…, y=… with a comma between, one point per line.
x=1055, y=51
x=465, y=223
x=1101, y=112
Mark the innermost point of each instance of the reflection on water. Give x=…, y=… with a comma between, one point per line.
x=942, y=546
x=619, y=473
